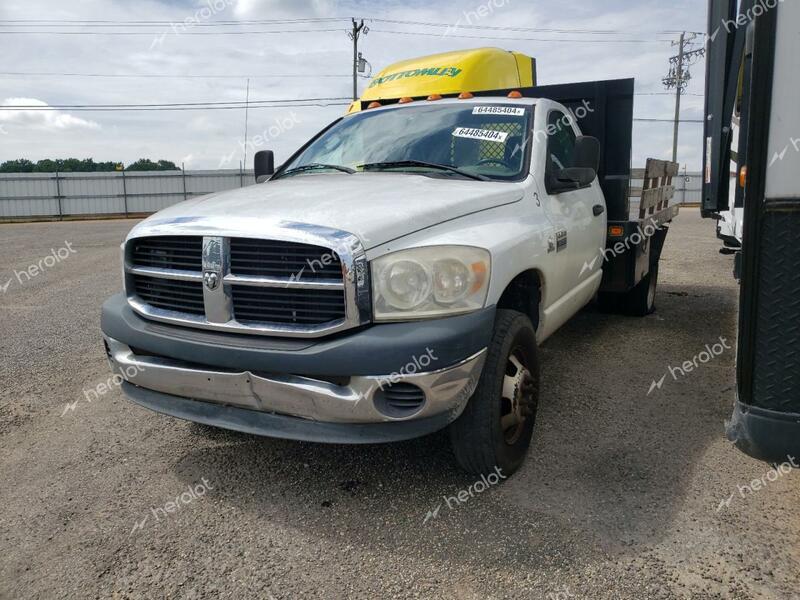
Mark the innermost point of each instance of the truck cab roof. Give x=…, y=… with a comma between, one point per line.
x=449, y=74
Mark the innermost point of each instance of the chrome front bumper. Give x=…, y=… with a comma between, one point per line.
x=446, y=391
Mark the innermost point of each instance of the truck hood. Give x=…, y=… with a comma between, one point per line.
x=376, y=207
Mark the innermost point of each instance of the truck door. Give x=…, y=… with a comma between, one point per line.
x=578, y=215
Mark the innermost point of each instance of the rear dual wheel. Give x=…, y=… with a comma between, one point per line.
x=638, y=302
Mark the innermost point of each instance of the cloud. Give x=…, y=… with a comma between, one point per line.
x=310, y=65
x=51, y=120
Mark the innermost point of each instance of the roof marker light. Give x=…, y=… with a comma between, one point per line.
x=433, y=97
x=406, y=100
x=465, y=95
x=375, y=104
x=515, y=94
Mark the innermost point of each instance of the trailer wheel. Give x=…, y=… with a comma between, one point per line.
x=495, y=430
x=641, y=300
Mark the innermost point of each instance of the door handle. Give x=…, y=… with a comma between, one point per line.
x=598, y=209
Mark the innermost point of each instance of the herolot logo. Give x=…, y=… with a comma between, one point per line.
x=427, y=72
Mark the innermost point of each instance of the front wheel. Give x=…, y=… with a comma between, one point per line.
x=495, y=430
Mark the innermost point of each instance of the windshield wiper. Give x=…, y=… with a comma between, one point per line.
x=422, y=163
x=317, y=167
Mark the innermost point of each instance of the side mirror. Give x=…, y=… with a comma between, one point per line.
x=586, y=163
x=587, y=153
x=579, y=176
x=264, y=165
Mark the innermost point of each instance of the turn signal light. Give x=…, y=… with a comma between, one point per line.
x=616, y=231
x=743, y=177
x=515, y=94
x=374, y=105
x=406, y=100
x=465, y=95
x=479, y=270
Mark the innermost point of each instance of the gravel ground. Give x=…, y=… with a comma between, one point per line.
x=622, y=495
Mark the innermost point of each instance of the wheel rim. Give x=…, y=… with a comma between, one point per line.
x=516, y=398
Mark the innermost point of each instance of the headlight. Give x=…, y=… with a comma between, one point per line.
x=424, y=283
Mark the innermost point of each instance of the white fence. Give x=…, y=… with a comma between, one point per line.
x=54, y=195
x=688, y=186
x=31, y=196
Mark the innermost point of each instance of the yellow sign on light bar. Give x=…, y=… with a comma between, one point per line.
x=451, y=73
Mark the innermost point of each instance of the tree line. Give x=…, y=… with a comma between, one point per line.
x=86, y=165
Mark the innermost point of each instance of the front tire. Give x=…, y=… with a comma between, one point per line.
x=496, y=428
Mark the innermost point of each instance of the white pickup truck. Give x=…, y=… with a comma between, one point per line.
x=393, y=278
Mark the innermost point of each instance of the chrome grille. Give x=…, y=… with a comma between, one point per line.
x=272, y=305
x=180, y=296
x=269, y=258
x=173, y=252
x=281, y=287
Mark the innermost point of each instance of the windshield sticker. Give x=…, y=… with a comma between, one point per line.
x=486, y=135
x=499, y=110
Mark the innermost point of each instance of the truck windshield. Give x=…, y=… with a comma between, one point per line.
x=475, y=141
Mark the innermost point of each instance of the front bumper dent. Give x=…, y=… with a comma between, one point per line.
x=446, y=391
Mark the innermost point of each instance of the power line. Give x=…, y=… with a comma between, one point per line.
x=519, y=39
x=161, y=76
x=60, y=106
x=670, y=120
x=251, y=22
x=229, y=105
x=655, y=94
x=525, y=29
x=182, y=33
x=186, y=108
x=285, y=31
x=153, y=23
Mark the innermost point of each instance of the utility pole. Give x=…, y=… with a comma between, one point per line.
x=679, y=78
x=359, y=29
x=678, y=92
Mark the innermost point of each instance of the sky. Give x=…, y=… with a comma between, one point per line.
x=177, y=62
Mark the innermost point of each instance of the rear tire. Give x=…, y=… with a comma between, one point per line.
x=641, y=300
x=496, y=428
x=638, y=302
